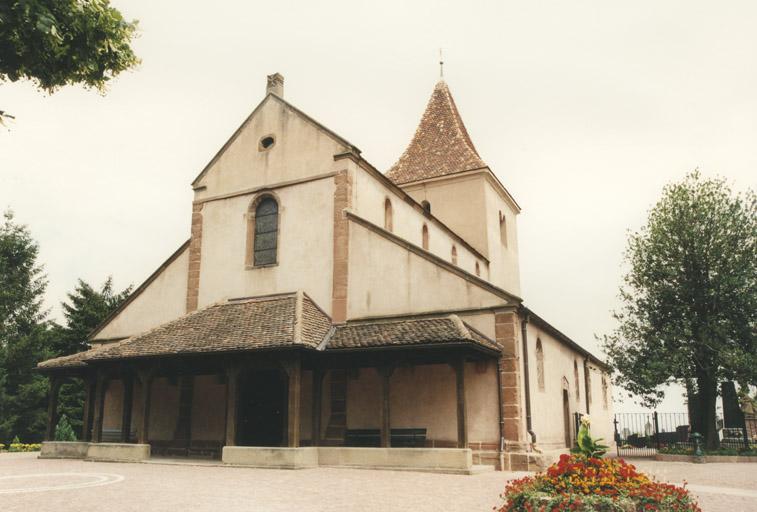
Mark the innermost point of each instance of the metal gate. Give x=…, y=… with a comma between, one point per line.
x=641, y=434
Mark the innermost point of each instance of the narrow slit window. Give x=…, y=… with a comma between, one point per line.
x=539, y=364
x=388, y=220
x=424, y=235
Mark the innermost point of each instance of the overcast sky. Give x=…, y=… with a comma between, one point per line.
x=584, y=110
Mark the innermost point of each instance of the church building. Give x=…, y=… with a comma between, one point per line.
x=325, y=313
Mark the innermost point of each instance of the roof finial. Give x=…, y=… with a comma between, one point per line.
x=441, y=65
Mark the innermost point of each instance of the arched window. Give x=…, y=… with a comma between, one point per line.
x=478, y=269
x=454, y=255
x=502, y=229
x=426, y=206
x=424, y=234
x=576, y=379
x=263, y=232
x=539, y=364
x=388, y=221
x=604, y=392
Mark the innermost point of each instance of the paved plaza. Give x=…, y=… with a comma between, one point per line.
x=29, y=484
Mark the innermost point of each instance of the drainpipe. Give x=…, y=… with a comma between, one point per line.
x=587, y=384
x=526, y=379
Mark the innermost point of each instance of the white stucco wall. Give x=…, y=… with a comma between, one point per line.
x=369, y=196
x=208, y=419
x=300, y=150
x=505, y=262
x=425, y=396
x=386, y=279
x=305, y=247
x=163, y=300
x=547, y=403
x=470, y=205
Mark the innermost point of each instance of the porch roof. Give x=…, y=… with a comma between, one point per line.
x=273, y=322
x=408, y=331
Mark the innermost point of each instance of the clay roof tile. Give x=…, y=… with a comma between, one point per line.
x=441, y=144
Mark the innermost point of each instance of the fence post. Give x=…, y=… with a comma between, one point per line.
x=617, y=434
x=577, y=421
x=656, y=431
x=745, y=432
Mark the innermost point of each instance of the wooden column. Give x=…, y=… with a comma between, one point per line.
x=385, y=372
x=293, y=369
x=145, y=380
x=317, y=406
x=232, y=383
x=88, y=409
x=52, y=407
x=126, y=407
x=100, y=387
x=462, y=413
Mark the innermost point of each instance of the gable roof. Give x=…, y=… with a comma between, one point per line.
x=236, y=325
x=441, y=144
x=273, y=97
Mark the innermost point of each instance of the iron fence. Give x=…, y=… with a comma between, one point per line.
x=642, y=434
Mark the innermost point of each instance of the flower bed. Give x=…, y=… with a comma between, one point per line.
x=586, y=482
x=20, y=447
x=583, y=483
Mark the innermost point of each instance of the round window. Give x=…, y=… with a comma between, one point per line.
x=267, y=142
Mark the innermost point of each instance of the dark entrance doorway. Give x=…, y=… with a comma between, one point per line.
x=262, y=408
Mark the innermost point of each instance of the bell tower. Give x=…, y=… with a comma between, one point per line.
x=442, y=167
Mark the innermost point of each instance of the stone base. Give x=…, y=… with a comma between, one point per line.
x=63, y=450
x=669, y=457
x=448, y=460
x=118, y=452
x=423, y=459
x=111, y=452
x=260, y=457
x=530, y=460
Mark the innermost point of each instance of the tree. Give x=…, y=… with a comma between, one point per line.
x=24, y=337
x=689, y=299
x=63, y=431
x=60, y=42
x=86, y=308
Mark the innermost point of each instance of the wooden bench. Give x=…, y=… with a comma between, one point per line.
x=192, y=449
x=400, y=437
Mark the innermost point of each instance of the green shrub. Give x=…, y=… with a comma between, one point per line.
x=15, y=445
x=64, y=432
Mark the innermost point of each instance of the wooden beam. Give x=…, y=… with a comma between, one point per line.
x=293, y=369
x=317, y=406
x=126, y=409
x=385, y=372
x=232, y=385
x=52, y=407
x=145, y=380
x=462, y=413
x=88, y=409
x=101, y=386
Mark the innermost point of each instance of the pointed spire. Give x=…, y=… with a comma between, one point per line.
x=441, y=144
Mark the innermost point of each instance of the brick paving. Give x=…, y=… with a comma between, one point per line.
x=156, y=487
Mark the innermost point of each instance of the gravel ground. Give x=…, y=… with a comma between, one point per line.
x=69, y=485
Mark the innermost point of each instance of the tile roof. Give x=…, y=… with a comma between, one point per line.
x=412, y=331
x=441, y=144
x=273, y=322
x=232, y=326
